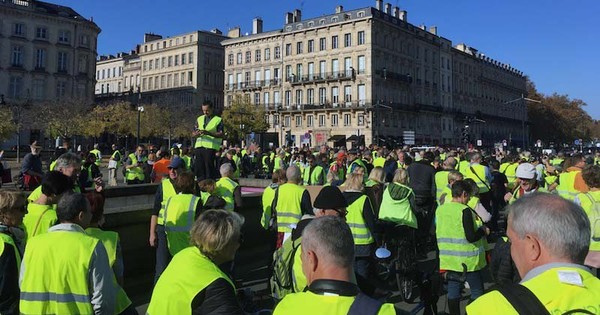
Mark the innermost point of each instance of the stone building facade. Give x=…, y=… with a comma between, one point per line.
x=367, y=76
x=183, y=69
x=47, y=52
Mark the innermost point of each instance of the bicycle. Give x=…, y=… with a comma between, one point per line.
x=402, y=269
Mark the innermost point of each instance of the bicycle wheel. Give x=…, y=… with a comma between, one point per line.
x=405, y=267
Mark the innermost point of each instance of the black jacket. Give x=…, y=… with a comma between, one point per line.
x=217, y=298
x=422, y=178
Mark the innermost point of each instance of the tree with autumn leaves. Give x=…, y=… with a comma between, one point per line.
x=558, y=118
x=241, y=118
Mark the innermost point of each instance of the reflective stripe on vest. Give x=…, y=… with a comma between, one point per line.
x=47, y=288
x=188, y=274
x=110, y=240
x=289, y=199
x=179, y=218
x=356, y=222
x=452, y=243
x=224, y=188
x=206, y=141
x=168, y=191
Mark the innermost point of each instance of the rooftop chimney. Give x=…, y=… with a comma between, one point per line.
x=289, y=18
x=388, y=8
x=235, y=32
x=404, y=16
x=297, y=15
x=433, y=30
x=148, y=37
x=396, y=12
x=379, y=5
x=257, y=26
x=339, y=9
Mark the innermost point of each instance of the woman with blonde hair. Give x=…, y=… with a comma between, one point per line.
x=374, y=187
x=193, y=281
x=361, y=220
x=13, y=207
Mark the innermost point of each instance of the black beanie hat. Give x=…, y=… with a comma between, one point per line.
x=330, y=198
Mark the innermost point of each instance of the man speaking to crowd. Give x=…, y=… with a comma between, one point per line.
x=209, y=133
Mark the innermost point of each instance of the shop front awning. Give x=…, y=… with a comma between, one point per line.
x=336, y=138
x=353, y=138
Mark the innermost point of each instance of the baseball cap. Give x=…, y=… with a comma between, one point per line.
x=352, y=151
x=526, y=171
x=176, y=162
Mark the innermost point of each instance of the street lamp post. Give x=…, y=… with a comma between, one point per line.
x=140, y=109
x=523, y=99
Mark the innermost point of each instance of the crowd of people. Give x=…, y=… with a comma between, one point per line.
x=541, y=212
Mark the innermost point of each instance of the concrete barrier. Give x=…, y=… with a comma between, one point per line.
x=128, y=211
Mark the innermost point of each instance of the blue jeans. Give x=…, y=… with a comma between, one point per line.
x=475, y=280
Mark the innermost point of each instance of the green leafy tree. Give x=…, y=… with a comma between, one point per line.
x=243, y=117
x=557, y=118
x=7, y=125
x=63, y=118
x=117, y=118
x=176, y=119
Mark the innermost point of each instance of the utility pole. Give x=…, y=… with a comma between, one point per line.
x=523, y=99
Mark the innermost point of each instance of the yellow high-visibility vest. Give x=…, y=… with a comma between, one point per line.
x=180, y=214
x=454, y=247
x=55, y=280
x=188, y=274
x=206, y=141
x=557, y=295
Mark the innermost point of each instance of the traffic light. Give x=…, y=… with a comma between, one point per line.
x=288, y=138
x=466, y=137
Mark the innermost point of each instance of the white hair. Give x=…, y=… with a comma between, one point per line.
x=226, y=169
x=561, y=225
x=331, y=239
x=293, y=174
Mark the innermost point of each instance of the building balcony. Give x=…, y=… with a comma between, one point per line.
x=252, y=85
x=278, y=107
x=323, y=77
x=394, y=76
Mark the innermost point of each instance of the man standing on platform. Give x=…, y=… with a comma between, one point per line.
x=209, y=133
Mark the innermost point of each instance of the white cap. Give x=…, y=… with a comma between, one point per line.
x=526, y=171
